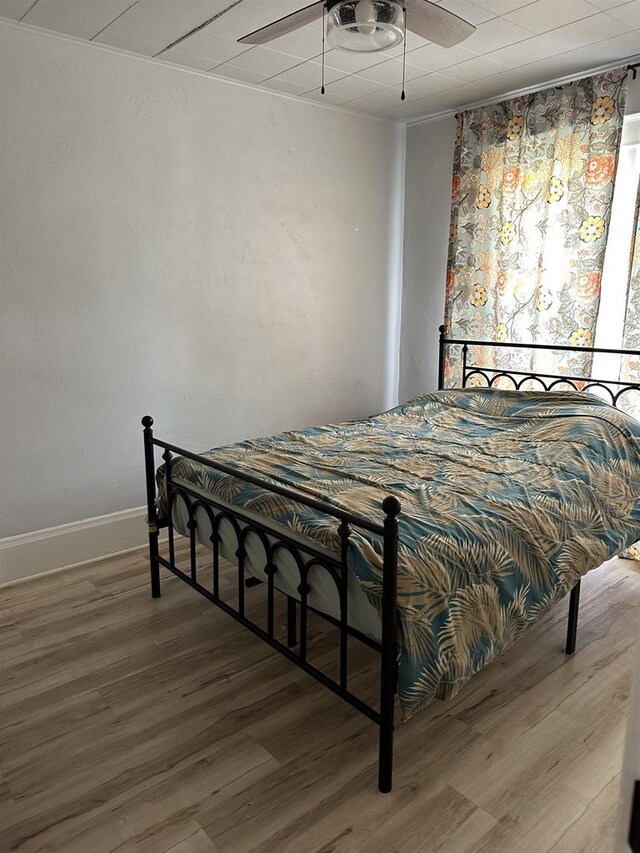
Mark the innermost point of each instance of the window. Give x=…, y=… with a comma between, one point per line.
x=615, y=273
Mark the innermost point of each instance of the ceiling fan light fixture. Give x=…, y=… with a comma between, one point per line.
x=365, y=26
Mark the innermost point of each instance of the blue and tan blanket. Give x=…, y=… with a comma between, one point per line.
x=508, y=498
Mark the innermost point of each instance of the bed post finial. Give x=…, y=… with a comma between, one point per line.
x=391, y=506
x=389, y=666
x=441, y=359
x=152, y=511
x=465, y=354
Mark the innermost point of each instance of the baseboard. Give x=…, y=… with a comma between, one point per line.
x=30, y=554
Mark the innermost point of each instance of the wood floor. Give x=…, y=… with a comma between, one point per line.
x=136, y=725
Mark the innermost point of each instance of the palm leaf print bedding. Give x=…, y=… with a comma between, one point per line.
x=508, y=498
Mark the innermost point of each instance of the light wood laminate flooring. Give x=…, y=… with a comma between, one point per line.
x=131, y=724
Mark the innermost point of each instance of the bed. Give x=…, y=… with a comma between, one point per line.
x=434, y=533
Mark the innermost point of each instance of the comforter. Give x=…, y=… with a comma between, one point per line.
x=508, y=498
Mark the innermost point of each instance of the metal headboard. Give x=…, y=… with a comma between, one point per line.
x=614, y=387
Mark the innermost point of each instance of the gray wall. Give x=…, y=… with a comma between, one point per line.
x=225, y=259
x=429, y=166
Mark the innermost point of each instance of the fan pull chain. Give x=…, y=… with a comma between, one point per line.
x=324, y=28
x=404, y=54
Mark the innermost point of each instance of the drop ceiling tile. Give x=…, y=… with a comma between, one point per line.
x=329, y=97
x=472, y=12
x=14, y=9
x=414, y=41
x=176, y=57
x=317, y=26
x=430, y=84
x=508, y=81
x=242, y=74
x=538, y=73
x=390, y=72
x=607, y=4
x=469, y=93
x=522, y=53
x=475, y=69
x=159, y=22
x=570, y=37
x=588, y=31
x=352, y=63
x=436, y=103
x=382, y=100
x=268, y=11
x=473, y=92
x=387, y=73
x=546, y=15
x=412, y=73
x=629, y=14
x=352, y=87
x=235, y=24
x=75, y=17
x=251, y=15
x=415, y=109
x=128, y=41
x=208, y=45
x=612, y=49
x=304, y=43
x=575, y=61
x=278, y=85
x=404, y=113
x=493, y=35
x=421, y=86
x=309, y=74
x=265, y=61
x=427, y=85
x=503, y=7
x=432, y=57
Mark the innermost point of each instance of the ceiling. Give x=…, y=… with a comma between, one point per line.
x=518, y=43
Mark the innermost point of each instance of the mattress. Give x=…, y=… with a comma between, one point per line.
x=323, y=596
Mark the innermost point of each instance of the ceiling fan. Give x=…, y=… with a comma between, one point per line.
x=370, y=25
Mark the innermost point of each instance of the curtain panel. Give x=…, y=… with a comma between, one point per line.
x=531, y=201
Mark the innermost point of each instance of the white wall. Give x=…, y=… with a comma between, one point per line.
x=224, y=259
x=429, y=167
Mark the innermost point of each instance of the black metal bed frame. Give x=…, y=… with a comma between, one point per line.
x=308, y=556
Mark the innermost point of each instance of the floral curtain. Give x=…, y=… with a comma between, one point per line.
x=531, y=200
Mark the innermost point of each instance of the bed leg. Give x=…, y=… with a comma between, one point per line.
x=154, y=565
x=291, y=621
x=572, y=627
x=152, y=512
x=385, y=760
x=391, y=507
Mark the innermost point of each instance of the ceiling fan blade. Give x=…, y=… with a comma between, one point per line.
x=285, y=25
x=436, y=24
